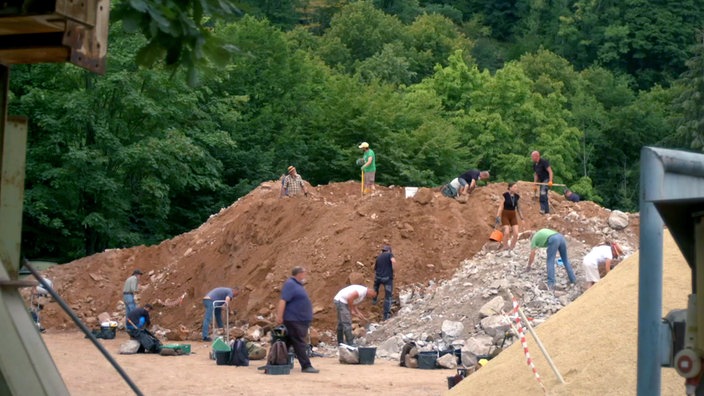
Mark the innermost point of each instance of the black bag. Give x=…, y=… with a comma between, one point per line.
x=404, y=351
x=278, y=354
x=239, y=355
x=148, y=343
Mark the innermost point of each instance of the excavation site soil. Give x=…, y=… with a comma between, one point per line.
x=336, y=234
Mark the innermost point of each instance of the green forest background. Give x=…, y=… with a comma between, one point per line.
x=436, y=87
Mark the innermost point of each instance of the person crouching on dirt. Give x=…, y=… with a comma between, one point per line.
x=137, y=323
x=295, y=311
x=470, y=179
x=600, y=255
x=293, y=184
x=507, y=215
x=346, y=302
x=384, y=275
x=571, y=196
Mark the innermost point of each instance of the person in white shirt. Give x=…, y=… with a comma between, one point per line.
x=600, y=255
x=346, y=302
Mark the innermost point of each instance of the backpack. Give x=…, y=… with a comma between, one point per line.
x=239, y=355
x=448, y=191
x=404, y=351
x=278, y=354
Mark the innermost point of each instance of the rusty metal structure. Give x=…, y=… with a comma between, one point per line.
x=34, y=31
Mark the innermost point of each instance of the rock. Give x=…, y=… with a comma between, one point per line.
x=405, y=297
x=493, y=325
x=390, y=346
x=129, y=347
x=468, y=358
x=236, y=332
x=493, y=307
x=348, y=356
x=254, y=333
x=618, y=220
x=91, y=321
x=447, y=361
x=424, y=196
x=452, y=329
x=104, y=317
x=479, y=345
x=411, y=362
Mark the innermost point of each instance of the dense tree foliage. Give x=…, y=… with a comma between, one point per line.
x=140, y=155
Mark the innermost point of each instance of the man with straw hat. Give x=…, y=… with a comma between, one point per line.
x=293, y=184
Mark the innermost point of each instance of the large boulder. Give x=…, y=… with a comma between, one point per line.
x=447, y=361
x=129, y=347
x=493, y=307
x=424, y=196
x=348, y=355
x=479, y=345
x=494, y=325
x=452, y=329
x=618, y=220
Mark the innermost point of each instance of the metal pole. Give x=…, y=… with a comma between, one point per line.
x=650, y=274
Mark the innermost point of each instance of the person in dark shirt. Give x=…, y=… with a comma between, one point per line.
x=542, y=173
x=571, y=196
x=138, y=319
x=295, y=311
x=384, y=275
x=508, y=214
x=471, y=177
x=214, y=302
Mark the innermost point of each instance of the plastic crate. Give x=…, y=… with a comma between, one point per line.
x=283, y=369
x=181, y=349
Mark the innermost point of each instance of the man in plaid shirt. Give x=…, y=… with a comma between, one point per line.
x=293, y=184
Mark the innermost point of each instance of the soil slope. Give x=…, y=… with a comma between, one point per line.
x=335, y=233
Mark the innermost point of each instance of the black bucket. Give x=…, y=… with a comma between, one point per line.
x=427, y=360
x=366, y=355
x=458, y=355
x=453, y=380
x=222, y=358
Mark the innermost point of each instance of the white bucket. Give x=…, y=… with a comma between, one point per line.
x=411, y=191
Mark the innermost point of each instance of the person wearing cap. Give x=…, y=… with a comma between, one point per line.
x=384, y=275
x=368, y=167
x=469, y=179
x=137, y=326
x=554, y=242
x=542, y=173
x=295, y=311
x=571, y=196
x=128, y=291
x=222, y=295
x=602, y=255
x=292, y=184
x=346, y=302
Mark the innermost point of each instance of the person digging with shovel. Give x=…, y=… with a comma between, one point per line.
x=346, y=302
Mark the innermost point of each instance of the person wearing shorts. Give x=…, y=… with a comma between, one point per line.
x=508, y=214
x=368, y=168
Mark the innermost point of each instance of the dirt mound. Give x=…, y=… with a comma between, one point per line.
x=592, y=341
x=335, y=233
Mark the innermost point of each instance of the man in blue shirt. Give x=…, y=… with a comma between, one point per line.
x=295, y=311
x=218, y=294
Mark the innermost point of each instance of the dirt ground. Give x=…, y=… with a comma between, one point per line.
x=335, y=233
x=86, y=372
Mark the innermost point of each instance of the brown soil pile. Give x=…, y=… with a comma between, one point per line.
x=592, y=341
x=335, y=233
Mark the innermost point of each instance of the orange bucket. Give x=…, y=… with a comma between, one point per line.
x=496, y=235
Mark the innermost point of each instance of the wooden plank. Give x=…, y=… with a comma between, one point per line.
x=30, y=24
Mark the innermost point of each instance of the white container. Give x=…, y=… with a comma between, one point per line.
x=411, y=192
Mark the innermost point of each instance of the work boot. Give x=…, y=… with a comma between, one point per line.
x=311, y=370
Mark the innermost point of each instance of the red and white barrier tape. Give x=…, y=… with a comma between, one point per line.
x=522, y=335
